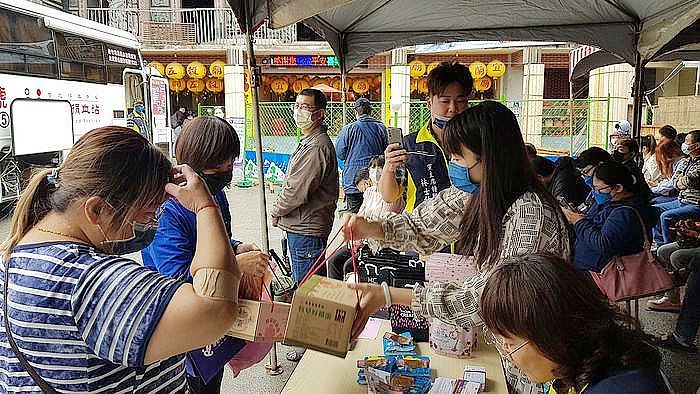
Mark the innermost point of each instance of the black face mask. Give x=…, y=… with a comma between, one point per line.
x=216, y=181
x=617, y=156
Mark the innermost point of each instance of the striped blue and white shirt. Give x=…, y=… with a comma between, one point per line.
x=83, y=320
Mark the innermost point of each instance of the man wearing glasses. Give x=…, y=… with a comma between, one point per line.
x=308, y=200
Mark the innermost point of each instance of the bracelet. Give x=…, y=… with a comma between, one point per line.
x=387, y=294
x=209, y=205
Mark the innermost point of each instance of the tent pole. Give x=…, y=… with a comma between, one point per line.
x=273, y=367
x=343, y=95
x=638, y=93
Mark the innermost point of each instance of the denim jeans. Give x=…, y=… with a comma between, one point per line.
x=689, y=319
x=304, y=250
x=675, y=258
x=671, y=212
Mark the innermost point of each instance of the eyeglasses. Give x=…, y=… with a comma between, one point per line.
x=504, y=350
x=304, y=107
x=602, y=188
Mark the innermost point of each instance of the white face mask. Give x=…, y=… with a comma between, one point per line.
x=374, y=174
x=302, y=117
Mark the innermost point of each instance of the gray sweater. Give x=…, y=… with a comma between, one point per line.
x=309, y=197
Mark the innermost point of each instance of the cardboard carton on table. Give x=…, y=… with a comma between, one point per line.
x=260, y=321
x=321, y=316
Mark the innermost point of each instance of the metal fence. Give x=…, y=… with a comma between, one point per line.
x=562, y=127
x=198, y=26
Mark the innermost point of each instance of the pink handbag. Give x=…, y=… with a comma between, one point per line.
x=633, y=276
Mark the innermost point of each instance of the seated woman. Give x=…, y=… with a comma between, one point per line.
x=559, y=328
x=209, y=145
x=649, y=168
x=668, y=158
x=85, y=318
x=612, y=226
x=373, y=206
x=511, y=214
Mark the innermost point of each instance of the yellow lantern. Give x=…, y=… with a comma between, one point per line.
x=299, y=85
x=348, y=83
x=378, y=81
x=336, y=84
x=196, y=70
x=496, y=69
x=431, y=66
x=174, y=70
x=361, y=86
x=216, y=69
x=482, y=84
x=279, y=85
x=195, y=85
x=414, y=85
x=477, y=69
x=417, y=68
x=423, y=85
x=215, y=85
x=177, y=85
x=158, y=66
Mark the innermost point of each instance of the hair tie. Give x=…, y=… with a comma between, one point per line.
x=52, y=178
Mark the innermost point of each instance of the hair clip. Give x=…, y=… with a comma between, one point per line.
x=52, y=178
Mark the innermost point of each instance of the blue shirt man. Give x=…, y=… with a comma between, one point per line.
x=358, y=142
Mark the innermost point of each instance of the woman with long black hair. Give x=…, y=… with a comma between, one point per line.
x=496, y=209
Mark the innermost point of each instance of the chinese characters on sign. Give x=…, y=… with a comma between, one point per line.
x=302, y=61
x=122, y=57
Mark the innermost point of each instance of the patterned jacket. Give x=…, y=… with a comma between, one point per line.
x=688, y=175
x=530, y=225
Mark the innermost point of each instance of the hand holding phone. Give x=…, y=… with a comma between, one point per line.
x=394, y=136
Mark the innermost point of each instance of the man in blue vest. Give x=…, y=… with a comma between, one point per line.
x=137, y=120
x=449, y=85
x=358, y=142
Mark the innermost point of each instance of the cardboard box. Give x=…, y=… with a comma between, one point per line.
x=260, y=321
x=321, y=316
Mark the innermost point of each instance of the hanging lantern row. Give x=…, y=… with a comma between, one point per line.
x=195, y=70
x=495, y=69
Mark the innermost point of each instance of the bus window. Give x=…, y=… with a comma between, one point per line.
x=133, y=86
x=12, y=62
x=26, y=45
x=81, y=58
x=25, y=34
x=118, y=59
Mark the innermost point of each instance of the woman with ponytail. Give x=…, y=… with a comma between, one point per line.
x=80, y=317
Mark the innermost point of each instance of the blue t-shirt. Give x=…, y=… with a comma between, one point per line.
x=173, y=247
x=83, y=320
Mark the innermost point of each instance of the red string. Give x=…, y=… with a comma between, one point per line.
x=354, y=264
x=316, y=266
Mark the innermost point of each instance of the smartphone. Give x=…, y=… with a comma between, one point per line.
x=395, y=135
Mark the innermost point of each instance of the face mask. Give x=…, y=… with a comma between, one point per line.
x=302, y=117
x=440, y=121
x=459, y=176
x=139, y=108
x=374, y=174
x=617, y=156
x=686, y=148
x=217, y=181
x=602, y=198
x=143, y=236
x=588, y=180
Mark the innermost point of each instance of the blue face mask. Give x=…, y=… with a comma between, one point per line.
x=139, y=108
x=459, y=176
x=602, y=198
x=143, y=236
x=440, y=121
x=588, y=180
x=686, y=148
